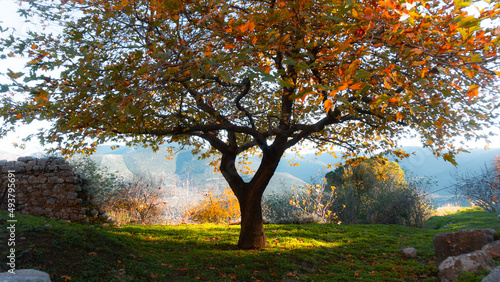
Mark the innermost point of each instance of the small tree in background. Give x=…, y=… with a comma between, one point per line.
x=375, y=190
x=481, y=188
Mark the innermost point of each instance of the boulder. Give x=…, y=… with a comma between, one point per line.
x=452, y=267
x=25, y=275
x=409, y=252
x=494, y=275
x=461, y=242
x=493, y=249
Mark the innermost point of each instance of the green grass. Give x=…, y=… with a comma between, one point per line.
x=315, y=252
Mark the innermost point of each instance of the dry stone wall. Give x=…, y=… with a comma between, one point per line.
x=45, y=186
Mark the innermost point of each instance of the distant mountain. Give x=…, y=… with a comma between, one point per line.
x=183, y=167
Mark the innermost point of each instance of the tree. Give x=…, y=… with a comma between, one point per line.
x=481, y=188
x=254, y=76
x=375, y=190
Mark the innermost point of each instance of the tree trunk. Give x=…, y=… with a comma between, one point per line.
x=249, y=196
x=252, y=234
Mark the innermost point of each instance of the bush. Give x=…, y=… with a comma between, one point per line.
x=137, y=200
x=375, y=191
x=316, y=200
x=223, y=208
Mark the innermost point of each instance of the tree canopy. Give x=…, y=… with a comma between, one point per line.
x=255, y=76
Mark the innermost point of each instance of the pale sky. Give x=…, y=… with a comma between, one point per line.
x=9, y=17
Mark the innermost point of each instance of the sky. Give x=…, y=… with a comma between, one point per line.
x=9, y=17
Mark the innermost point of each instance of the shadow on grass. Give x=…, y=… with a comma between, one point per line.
x=208, y=252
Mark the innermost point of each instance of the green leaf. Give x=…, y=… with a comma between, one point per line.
x=362, y=74
x=4, y=88
x=14, y=75
x=289, y=61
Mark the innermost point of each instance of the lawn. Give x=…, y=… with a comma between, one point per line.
x=207, y=252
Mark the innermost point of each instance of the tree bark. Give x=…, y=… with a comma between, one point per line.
x=252, y=234
x=249, y=196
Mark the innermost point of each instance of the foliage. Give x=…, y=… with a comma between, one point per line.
x=481, y=188
x=375, y=191
x=223, y=208
x=127, y=200
x=315, y=200
x=139, y=199
x=254, y=76
x=100, y=182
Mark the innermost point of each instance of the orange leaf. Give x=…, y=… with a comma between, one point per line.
x=472, y=92
x=356, y=86
x=388, y=4
x=343, y=86
x=328, y=105
x=229, y=46
x=248, y=26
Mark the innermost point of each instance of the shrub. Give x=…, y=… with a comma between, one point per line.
x=316, y=201
x=137, y=200
x=375, y=191
x=276, y=209
x=223, y=208
x=481, y=188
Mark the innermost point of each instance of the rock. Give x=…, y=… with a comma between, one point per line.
x=498, y=218
x=94, y=212
x=494, y=275
x=409, y=252
x=493, y=249
x=461, y=242
x=25, y=275
x=451, y=268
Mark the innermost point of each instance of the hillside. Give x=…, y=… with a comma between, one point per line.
x=183, y=167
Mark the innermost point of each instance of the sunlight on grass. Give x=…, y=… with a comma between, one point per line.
x=320, y=252
x=446, y=210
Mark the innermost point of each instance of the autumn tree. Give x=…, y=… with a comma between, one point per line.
x=259, y=76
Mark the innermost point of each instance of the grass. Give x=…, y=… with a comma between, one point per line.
x=207, y=252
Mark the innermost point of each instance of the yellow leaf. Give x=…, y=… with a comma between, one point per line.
x=498, y=73
x=354, y=13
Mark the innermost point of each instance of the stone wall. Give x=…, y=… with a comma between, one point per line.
x=44, y=186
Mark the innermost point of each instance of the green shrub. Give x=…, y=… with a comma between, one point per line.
x=375, y=191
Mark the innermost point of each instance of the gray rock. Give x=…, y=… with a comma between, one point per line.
x=25, y=275
x=450, y=268
x=409, y=252
x=461, y=242
x=25, y=159
x=494, y=275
